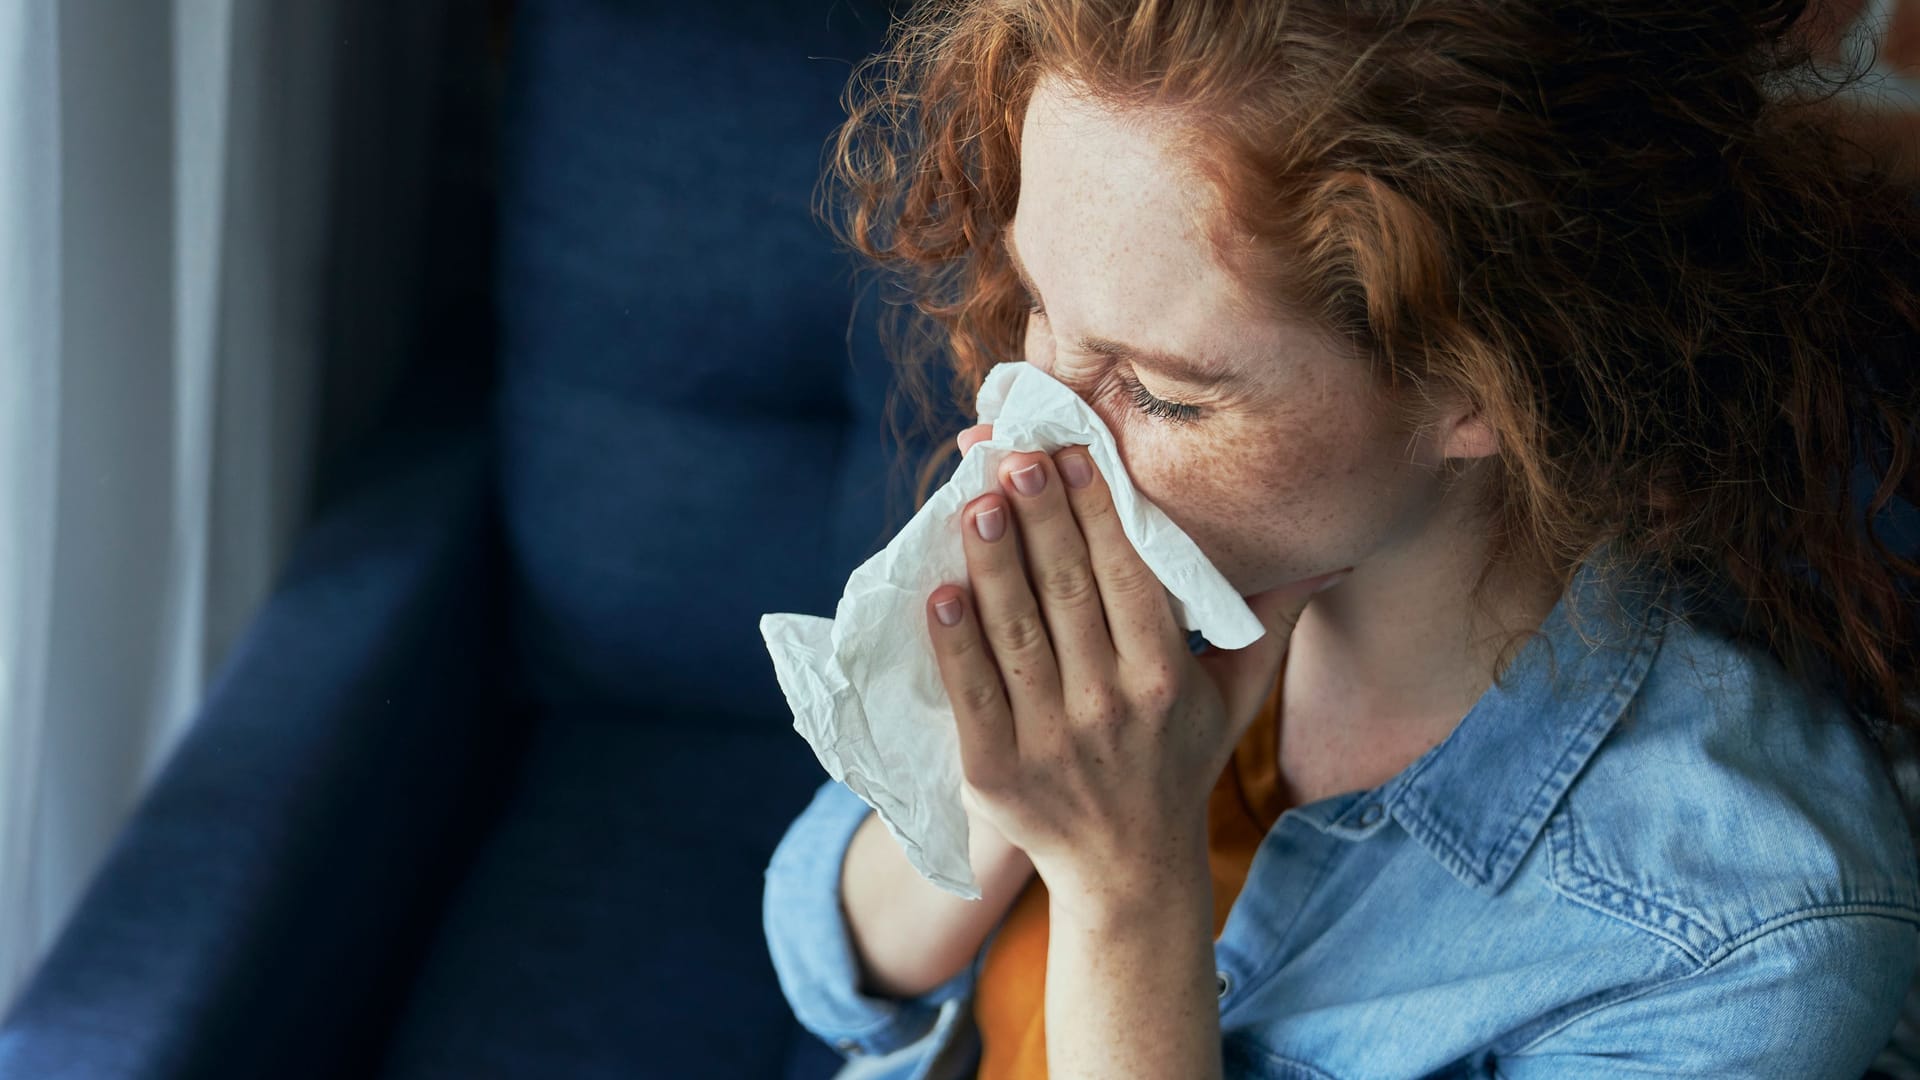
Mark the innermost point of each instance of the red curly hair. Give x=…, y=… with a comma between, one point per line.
x=1627, y=230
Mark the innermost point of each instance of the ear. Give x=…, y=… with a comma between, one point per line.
x=1466, y=434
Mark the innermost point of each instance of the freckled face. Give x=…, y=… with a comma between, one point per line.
x=1289, y=471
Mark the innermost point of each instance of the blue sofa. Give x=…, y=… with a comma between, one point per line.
x=488, y=788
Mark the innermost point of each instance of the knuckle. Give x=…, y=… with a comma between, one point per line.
x=1070, y=582
x=1157, y=691
x=1131, y=577
x=1099, y=705
x=1022, y=631
x=979, y=696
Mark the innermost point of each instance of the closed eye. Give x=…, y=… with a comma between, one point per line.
x=1172, y=412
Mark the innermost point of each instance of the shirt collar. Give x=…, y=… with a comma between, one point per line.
x=1479, y=799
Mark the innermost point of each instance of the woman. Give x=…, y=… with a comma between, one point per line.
x=1526, y=365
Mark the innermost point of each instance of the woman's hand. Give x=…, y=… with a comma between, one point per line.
x=1090, y=735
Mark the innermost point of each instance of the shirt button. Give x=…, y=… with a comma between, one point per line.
x=849, y=1047
x=1371, y=814
x=1222, y=983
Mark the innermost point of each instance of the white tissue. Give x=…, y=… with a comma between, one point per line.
x=864, y=686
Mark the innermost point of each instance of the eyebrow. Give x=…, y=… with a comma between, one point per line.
x=1173, y=365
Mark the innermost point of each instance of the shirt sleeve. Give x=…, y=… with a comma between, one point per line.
x=1813, y=998
x=812, y=950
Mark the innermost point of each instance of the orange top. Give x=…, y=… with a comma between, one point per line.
x=1011, y=993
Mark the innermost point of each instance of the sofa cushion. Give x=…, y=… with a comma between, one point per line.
x=690, y=405
x=610, y=926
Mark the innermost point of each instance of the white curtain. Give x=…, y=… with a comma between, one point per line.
x=163, y=169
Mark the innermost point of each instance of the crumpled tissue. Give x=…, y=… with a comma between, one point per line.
x=865, y=687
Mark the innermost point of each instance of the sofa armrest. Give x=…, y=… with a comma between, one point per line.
x=262, y=909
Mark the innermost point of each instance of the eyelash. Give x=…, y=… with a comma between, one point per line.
x=1172, y=412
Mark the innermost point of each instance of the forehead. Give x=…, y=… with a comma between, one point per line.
x=1109, y=184
x=1112, y=223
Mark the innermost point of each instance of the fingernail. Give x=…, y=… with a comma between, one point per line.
x=1030, y=480
x=1077, y=469
x=947, y=611
x=990, y=524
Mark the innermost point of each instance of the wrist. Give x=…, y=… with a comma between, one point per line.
x=1110, y=901
x=1115, y=915
x=998, y=865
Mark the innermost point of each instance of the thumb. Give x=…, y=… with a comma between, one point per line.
x=1245, y=677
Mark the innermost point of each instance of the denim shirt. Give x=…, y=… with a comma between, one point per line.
x=1647, y=851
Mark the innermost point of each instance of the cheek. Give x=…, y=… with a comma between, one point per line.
x=1260, y=499
x=1038, y=347
x=1229, y=467
x=1223, y=488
